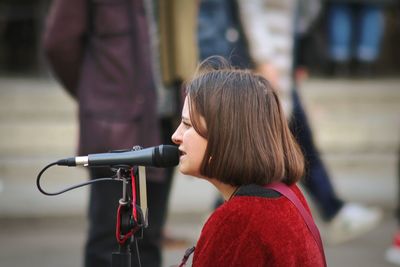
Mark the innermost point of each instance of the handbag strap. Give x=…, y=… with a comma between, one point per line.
x=289, y=194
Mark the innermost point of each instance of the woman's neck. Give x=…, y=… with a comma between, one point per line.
x=226, y=190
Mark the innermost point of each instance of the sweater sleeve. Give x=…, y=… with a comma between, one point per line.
x=63, y=41
x=227, y=239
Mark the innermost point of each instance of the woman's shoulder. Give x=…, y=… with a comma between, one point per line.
x=258, y=225
x=253, y=204
x=262, y=210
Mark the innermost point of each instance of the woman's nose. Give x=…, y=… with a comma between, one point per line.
x=176, y=137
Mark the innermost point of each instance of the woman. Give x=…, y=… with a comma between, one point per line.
x=234, y=135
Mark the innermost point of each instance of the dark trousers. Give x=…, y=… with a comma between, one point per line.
x=102, y=220
x=103, y=204
x=316, y=181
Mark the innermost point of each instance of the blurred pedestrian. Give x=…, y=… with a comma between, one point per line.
x=100, y=53
x=355, y=32
x=268, y=27
x=270, y=31
x=175, y=59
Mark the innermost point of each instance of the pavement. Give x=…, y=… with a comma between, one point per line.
x=59, y=242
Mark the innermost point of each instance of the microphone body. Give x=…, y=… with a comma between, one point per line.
x=162, y=156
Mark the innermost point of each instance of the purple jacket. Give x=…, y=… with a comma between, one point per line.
x=101, y=55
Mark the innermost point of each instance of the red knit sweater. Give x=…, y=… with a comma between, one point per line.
x=257, y=227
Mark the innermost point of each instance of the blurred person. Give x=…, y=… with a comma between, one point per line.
x=234, y=135
x=100, y=53
x=308, y=15
x=355, y=32
x=268, y=27
x=174, y=60
x=220, y=33
x=270, y=31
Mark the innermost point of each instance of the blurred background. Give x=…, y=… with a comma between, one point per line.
x=355, y=118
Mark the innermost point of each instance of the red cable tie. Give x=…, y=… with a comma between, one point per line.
x=134, y=210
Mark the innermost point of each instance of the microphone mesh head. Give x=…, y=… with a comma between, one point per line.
x=166, y=156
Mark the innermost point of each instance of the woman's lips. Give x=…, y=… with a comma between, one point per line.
x=182, y=154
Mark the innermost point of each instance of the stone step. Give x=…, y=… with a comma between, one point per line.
x=19, y=195
x=380, y=190
x=22, y=199
x=28, y=97
x=36, y=138
x=375, y=137
x=43, y=138
x=21, y=168
x=350, y=92
x=39, y=100
x=354, y=115
x=38, y=117
x=363, y=178
x=28, y=92
x=366, y=178
x=25, y=95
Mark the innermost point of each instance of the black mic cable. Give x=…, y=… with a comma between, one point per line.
x=68, y=188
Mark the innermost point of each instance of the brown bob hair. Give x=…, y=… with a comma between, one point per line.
x=249, y=141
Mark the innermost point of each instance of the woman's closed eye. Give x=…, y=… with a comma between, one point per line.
x=186, y=124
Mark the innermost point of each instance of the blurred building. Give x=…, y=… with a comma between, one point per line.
x=21, y=24
x=22, y=21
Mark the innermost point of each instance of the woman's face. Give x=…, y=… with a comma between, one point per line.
x=191, y=145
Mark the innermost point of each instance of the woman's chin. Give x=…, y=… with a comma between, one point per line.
x=183, y=170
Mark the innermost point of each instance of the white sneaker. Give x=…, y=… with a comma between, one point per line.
x=352, y=221
x=393, y=253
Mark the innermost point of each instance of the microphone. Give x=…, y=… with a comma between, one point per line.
x=162, y=156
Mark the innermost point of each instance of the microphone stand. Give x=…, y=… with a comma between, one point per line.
x=127, y=227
